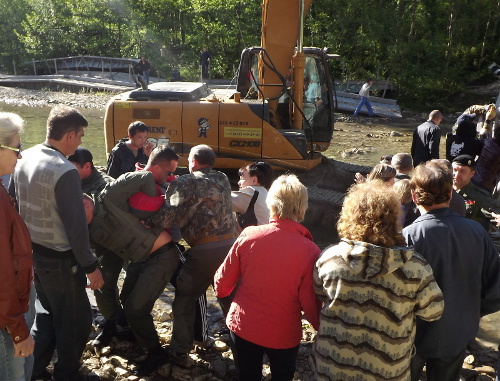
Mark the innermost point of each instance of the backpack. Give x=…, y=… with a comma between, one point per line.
x=248, y=218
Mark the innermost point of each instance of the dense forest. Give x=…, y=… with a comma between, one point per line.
x=429, y=49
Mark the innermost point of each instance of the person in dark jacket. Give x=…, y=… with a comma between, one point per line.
x=16, y=266
x=426, y=139
x=110, y=264
x=488, y=164
x=464, y=141
x=466, y=267
x=135, y=149
x=205, y=60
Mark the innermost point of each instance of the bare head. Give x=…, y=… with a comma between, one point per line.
x=82, y=160
x=258, y=173
x=201, y=156
x=162, y=163
x=287, y=198
x=383, y=172
x=137, y=134
x=65, y=128
x=436, y=117
x=402, y=162
x=431, y=184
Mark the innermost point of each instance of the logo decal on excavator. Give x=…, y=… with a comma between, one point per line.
x=204, y=126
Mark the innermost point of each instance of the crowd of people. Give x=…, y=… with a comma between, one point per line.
x=405, y=287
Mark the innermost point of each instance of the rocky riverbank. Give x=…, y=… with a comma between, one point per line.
x=37, y=98
x=120, y=359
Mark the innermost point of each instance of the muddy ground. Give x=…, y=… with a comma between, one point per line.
x=118, y=361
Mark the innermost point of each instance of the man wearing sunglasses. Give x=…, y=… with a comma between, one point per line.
x=17, y=150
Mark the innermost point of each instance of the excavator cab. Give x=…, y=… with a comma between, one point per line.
x=317, y=106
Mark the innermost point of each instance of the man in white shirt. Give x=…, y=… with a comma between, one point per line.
x=365, y=94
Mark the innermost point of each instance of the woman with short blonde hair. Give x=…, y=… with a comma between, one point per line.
x=273, y=264
x=287, y=198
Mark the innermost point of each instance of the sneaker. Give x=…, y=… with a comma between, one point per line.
x=180, y=359
x=103, y=339
x=154, y=361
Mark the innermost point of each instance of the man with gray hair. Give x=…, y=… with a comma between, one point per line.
x=426, y=139
x=200, y=203
x=403, y=164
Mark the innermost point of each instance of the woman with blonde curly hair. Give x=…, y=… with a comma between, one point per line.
x=372, y=288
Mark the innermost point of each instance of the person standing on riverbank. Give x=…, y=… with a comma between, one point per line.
x=16, y=266
x=200, y=203
x=205, y=60
x=466, y=266
x=128, y=152
x=372, y=289
x=47, y=188
x=364, y=93
x=426, y=139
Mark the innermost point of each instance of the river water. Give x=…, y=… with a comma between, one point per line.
x=360, y=142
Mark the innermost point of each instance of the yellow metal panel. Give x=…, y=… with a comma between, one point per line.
x=162, y=118
x=200, y=125
x=240, y=131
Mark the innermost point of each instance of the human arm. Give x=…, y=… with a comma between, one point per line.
x=490, y=278
x=148, y=148
x=25, y=347
x=11, y=308
x=434, y=141
x=307, y=298
x=229, y=272
x=496, y=218
x=178, y=203
x=125, y=186
x=430, y=301
x=113, y=167
x=241, y=199
x=72, y=213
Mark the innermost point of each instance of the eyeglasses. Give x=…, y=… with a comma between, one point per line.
x=168, y=173
x=17, y=149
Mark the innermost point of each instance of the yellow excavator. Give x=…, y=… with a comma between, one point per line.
x=281, y=110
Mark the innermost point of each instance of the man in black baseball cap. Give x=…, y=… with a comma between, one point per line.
x=477, y=199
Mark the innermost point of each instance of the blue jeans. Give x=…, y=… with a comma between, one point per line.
x=16, y=368
x=250, y=356
x=63, y=317
x=364, y=102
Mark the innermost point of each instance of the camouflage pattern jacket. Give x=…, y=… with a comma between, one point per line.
x=200, y=203
x=477, y=202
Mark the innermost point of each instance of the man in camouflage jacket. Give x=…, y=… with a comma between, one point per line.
x=200, y=203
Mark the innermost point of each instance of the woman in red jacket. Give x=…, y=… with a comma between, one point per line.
x=273, y=264
x=16, y=265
